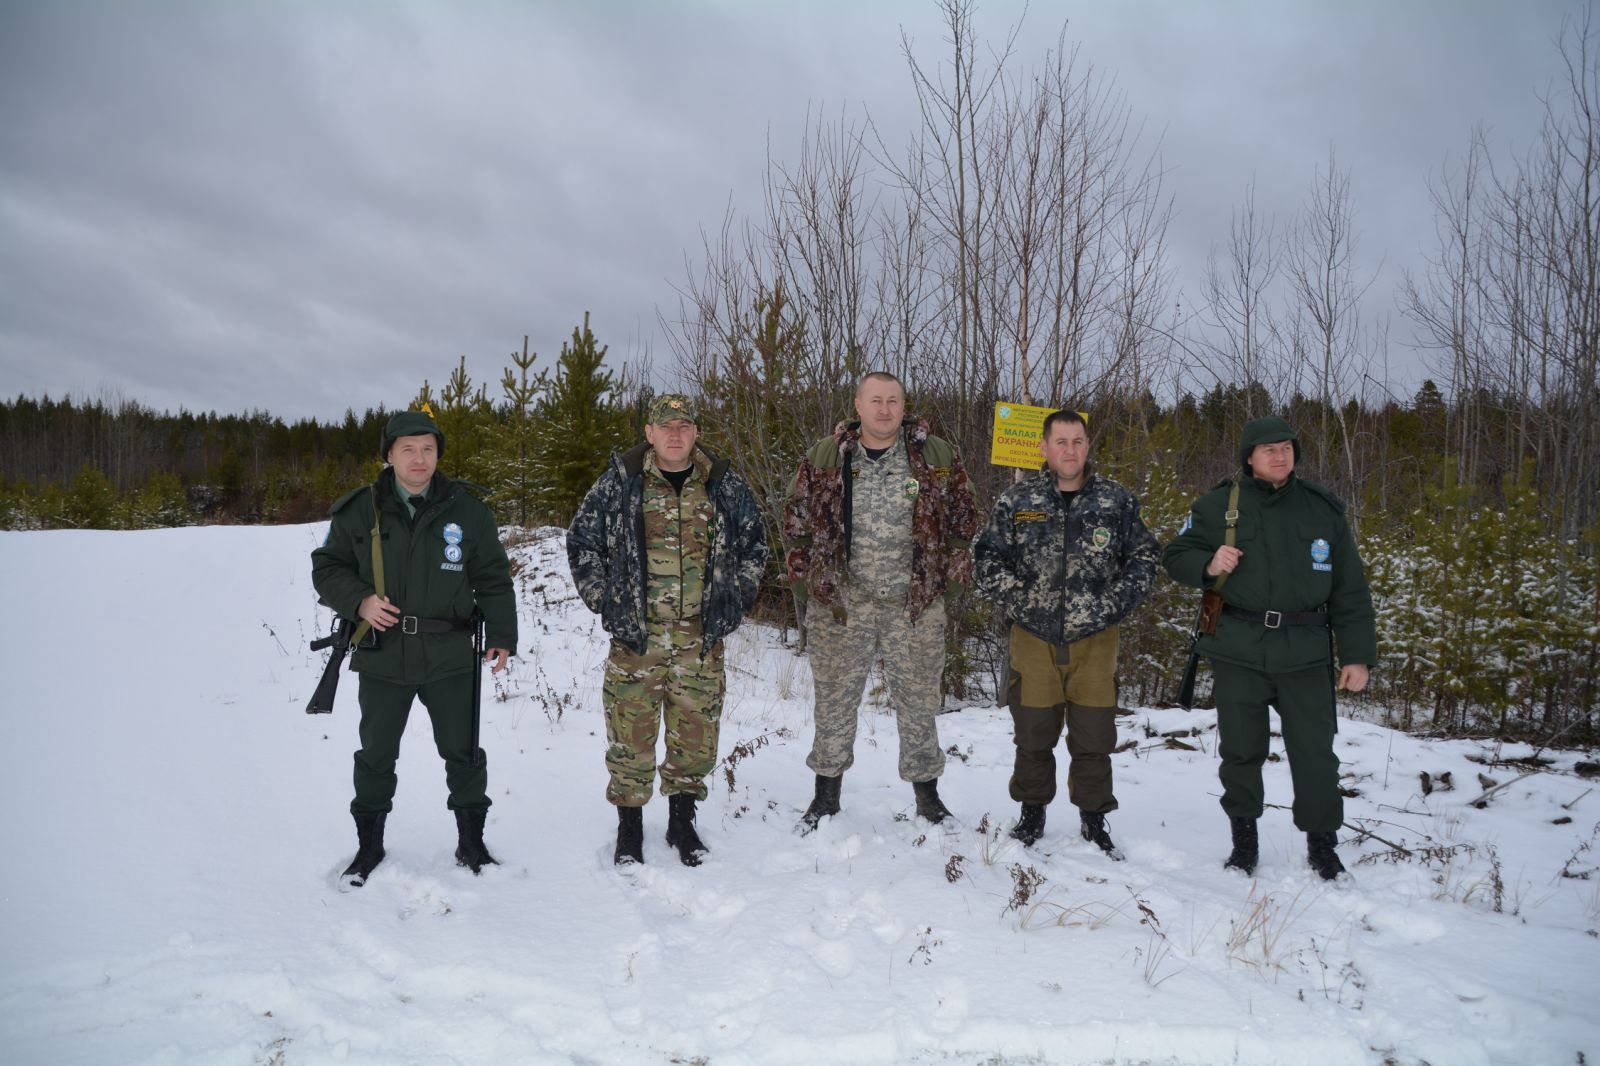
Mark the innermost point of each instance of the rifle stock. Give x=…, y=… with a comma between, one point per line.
x=321, y=701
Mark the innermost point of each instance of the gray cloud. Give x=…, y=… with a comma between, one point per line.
x=303, y=207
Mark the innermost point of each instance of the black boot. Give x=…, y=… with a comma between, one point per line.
x=1029, y=827
x=1324, y=860
x=680, y=829
x=470, y=851
x=1246, y=846
x=1094, y=831
x=823, y=804
x=630, y=836
x=369, y=848
x=929, y=805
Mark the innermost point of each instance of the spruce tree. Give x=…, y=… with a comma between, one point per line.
x=579, y=420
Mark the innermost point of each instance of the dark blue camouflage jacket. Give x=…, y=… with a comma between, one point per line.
x=1065, y=575
x=606, y=551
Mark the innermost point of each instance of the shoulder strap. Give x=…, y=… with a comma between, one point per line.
x=1230, y=516
x=377, y=570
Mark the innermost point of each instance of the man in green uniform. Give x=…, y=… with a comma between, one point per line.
x=440, y=559
x=1281, y=554
x=668, y=548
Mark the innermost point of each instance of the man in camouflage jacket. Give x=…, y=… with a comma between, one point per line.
x=1066, y=556
x=879, y=526
x=668, y=548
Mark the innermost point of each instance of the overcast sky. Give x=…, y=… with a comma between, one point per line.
x=303, y=207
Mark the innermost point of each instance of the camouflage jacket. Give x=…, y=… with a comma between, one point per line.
x=1065, y=574
x=816, y=518
x=606, y=550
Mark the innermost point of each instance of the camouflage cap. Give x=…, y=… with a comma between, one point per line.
x=672, y=405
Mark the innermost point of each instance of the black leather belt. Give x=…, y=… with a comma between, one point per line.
x=411, y=625
x=1275, y=619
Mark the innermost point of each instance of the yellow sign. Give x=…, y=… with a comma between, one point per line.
x=1017, y=429
x=1016, y=435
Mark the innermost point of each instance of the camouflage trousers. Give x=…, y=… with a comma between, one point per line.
x=841, y=657
x=1075, y=685
x=668, y=682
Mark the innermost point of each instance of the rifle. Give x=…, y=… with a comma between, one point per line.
x=339, y=641
x=1205, y=621
x=476, y=759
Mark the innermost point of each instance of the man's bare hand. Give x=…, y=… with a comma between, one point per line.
x=378, y=611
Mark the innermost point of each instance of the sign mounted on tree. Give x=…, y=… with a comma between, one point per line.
x=1017, y=429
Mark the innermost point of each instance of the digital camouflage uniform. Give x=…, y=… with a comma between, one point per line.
x=875, y=546
x=1298, y=556
x=670, y=575
x=1065, y=577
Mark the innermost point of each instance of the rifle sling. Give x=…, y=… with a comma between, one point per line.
x=377, y=569
x=1231, y=516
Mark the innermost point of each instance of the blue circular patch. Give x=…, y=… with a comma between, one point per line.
x=1319, y=551
x=452, y=552
x=452, y=534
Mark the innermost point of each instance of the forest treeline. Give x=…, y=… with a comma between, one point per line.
x=1013, y=249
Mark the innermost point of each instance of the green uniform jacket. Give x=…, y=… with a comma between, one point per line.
x=1298, y=555
x=420, y=577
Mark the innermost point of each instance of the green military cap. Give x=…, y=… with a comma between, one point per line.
x=409, y=424
x=1269, y=429
x=672, y=405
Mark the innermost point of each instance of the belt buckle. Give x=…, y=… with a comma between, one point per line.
x=1273, y=619
x=408, y=624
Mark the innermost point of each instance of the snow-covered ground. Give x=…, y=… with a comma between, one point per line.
x=173, y=823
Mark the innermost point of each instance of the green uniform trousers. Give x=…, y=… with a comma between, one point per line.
x=385, y=706
x=1073, y=685
x=1304, y=700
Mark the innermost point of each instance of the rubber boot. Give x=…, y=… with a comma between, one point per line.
x=680, y=829
x=1094, y=831
x=1246, y=846
x=470, y=851
x=824, y=804
x=1029, y=827
x=630, y=836
x=1320, y=853
x=369, y=848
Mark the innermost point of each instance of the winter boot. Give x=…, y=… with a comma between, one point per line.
x=470, y=851
x=369, y=848
x=1030, y=827
x=1246, y=846
x=929, y=806
x=823, y=804
x=630, y=836
x=1094, y=831
x=680, y=829
x=1320, y=853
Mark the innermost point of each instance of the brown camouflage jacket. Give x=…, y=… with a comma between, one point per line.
x=816, y=518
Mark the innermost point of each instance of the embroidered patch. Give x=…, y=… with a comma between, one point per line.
x=456, y=567
x=452, y=552
x=912, y=488
x=1188, y=523
x=1031, y=516
x=452, y=533
x=1102, y=537
x=941, y=471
